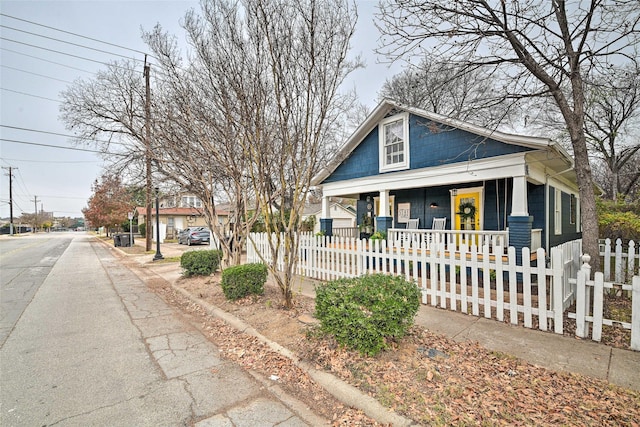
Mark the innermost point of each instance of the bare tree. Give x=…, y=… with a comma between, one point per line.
x=612, y=128
x=446, y=89
x=304, y=45
x=612, y=125
x=535, y=49
x=108, y=111
x=198, y=131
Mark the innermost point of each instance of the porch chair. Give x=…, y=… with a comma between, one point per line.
x=413, y=223
x=439, y=223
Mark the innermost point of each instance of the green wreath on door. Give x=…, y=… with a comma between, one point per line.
x=466, y=211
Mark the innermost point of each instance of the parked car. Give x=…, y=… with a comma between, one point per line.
x=193, y=235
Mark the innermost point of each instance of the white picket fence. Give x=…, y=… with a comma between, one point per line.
x=480, y=280
x=590, y=296
x=467, y=279
x=625, y=263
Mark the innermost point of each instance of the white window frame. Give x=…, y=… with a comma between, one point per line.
x=384, y=167
x=557, y=208
x=191, y=202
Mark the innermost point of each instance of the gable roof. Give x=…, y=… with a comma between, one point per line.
x=387, y=105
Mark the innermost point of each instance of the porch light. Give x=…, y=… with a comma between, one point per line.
x=433, y=205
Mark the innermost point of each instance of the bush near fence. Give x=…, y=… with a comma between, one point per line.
x=243, y=280
x=200, y=263
x=363, y=312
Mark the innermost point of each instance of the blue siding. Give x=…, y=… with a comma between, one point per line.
x=421, y=200
x=497, y=204
x=431, y=144
x=362, y=162
x=568, y=230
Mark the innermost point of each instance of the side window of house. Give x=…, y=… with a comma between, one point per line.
x=557, y=206
x=191, y=202
x=573, y=209
x=394, y=143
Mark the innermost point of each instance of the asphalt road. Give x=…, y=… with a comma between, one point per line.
x=86, y=343
x=24, y=264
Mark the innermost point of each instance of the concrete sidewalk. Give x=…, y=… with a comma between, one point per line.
x=96, y=346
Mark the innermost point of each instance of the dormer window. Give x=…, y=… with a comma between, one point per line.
x=394, y=143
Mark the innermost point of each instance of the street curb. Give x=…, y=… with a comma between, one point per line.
x=339, y=389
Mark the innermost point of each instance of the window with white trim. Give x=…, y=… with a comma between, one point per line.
x=573, y=210
x=394, y=143
x=191, y=202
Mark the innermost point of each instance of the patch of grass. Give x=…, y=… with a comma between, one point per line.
x=168, y=260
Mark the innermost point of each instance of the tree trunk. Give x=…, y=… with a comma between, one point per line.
x=588, y=214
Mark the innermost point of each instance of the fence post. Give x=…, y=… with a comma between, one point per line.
x=635, y=313
x=598, y=303
x=557, y=289
x=587, y=289
x=580, y=304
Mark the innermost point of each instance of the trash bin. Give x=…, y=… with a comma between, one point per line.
x=124, y=240
x=116, y=240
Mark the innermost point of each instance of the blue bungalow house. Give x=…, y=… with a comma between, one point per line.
x=407, y=166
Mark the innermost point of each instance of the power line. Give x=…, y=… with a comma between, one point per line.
x=35, y=96
x=56, y=134
x=35, y=74
x=70, y=43
x=63, y=148
x=64, y=53
x=75, y=34
x=4, y=159
x=46, y=60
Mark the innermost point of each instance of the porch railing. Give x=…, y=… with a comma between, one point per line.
x=345, y=232
x=478, y=238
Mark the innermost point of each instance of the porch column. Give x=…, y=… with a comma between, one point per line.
x=519, y=205
x=519, y=221
x=326, y=222
x=384, y=220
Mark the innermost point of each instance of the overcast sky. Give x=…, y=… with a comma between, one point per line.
x=35, y=68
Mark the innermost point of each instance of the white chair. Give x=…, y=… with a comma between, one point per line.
x=412, y=224
x=439, y=223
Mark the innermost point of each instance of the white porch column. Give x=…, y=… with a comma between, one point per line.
x=384, y=203
x=519, y=205
x=326, y=208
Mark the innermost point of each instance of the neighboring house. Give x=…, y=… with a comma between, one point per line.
x=404, y=163
x=178, y=213
x=343, y=216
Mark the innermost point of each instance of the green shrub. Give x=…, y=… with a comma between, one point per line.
x=142, y=229
x=365, y=311
x=620, y=225
x=242, y=280
x=200, y=263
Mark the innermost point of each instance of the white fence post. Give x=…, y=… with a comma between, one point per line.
x=557, y=284
x=598, y=303
x=635, y=313
x=580, y=304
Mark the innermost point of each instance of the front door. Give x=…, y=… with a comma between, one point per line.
x=467, y=210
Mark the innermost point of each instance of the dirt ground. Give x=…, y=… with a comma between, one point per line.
x=426, y=377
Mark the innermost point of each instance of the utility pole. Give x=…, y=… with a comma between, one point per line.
x=147, y=141
x=10, y=198
x=35, y=215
